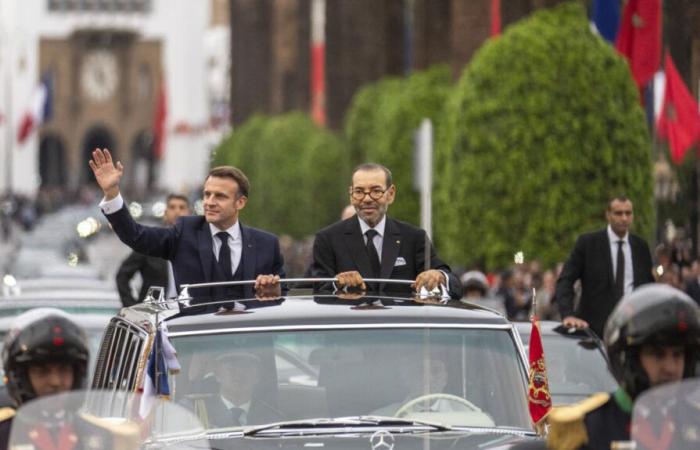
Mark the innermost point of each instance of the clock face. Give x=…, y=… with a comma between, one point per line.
x=99, y=75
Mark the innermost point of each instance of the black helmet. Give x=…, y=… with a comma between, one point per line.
x=39, y=336
x=652, y=314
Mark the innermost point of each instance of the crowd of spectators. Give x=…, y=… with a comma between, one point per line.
x=511, y=291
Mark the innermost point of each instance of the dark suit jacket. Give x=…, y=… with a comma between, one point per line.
x=591, y=262
x=341, y=248
x=189, y=246
x=154, y=272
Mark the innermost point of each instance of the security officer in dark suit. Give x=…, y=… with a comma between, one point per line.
x=652, y=337
x=609, y=263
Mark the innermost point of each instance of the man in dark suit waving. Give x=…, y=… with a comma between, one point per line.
x=372, y=245
x=610, y=263
x=215, y=247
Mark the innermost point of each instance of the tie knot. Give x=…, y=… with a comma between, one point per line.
x=371, y=233
x=620, y=242
x=223, y=236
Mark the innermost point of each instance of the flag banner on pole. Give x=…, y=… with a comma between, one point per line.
x=679, y=121
x=40, y=108
x=539, y=399
x=159, y=117
x=639, y=38
x=162, y=361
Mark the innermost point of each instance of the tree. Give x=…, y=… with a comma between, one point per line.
x=297, y=171
x=544, y=126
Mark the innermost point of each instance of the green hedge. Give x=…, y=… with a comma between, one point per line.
x=544, y=125
x=298, y=173
x=381, y=123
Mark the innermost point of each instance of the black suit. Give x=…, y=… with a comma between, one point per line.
x=591, y=262
x=341, y=248
x=189, y=246
x=153, y=270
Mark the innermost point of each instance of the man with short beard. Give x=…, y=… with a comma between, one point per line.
x=373, y=245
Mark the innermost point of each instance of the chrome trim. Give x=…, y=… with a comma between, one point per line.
x=521, y=349
x=340, y=327
x=293, y=280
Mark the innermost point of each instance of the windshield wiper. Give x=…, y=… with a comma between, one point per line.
x=350, y=421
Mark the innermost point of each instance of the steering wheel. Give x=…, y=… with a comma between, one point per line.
x=431, y=397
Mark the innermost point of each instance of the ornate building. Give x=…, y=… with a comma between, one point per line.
x=105, y=84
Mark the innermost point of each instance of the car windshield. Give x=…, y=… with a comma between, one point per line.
x=256, y=378
x=575, y=369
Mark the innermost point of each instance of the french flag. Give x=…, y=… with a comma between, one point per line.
x=40, y=108
x=161, y=362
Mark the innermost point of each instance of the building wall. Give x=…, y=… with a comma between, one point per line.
x=169, y=37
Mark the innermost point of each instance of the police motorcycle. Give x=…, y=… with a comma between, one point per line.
x=98, y=420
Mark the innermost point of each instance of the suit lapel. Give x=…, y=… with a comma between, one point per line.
x=605, y=244
x=248, y=257
x=390, y=247
x=355, y=244
x=206, y=254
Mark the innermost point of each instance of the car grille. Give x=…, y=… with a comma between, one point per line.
x=119, y=357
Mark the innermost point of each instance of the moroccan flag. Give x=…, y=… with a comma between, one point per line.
x=639, y=38
x=159, y=117
x=679, y=121
x=539, y=400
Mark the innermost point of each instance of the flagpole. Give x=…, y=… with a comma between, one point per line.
x=8, y=120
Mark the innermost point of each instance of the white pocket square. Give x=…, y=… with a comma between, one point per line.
x=400, y=261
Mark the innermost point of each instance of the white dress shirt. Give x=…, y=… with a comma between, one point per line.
x=112, y=206
x=627, y=252
x=235, y=243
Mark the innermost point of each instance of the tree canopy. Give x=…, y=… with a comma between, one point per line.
x=544, y=126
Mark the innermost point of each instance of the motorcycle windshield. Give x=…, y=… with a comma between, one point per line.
x=667, y=417
x=103, y=421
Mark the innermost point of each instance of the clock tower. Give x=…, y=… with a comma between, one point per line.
x=105, y=85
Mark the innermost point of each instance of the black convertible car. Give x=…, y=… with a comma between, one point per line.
x=326, y=371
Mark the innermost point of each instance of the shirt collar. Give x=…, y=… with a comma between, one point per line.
x=614, y=238
x=379, y=228
x=234, y=231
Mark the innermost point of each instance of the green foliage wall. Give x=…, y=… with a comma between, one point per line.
x=544, y=126
x=381, y=123
x=298, y=173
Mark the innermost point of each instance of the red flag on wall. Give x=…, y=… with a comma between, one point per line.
x=679, y=121
x=639, y=38
x=539, y=400
x=159, y=116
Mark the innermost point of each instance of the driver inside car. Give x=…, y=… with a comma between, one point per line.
x=237, y=401
x=420, y=382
